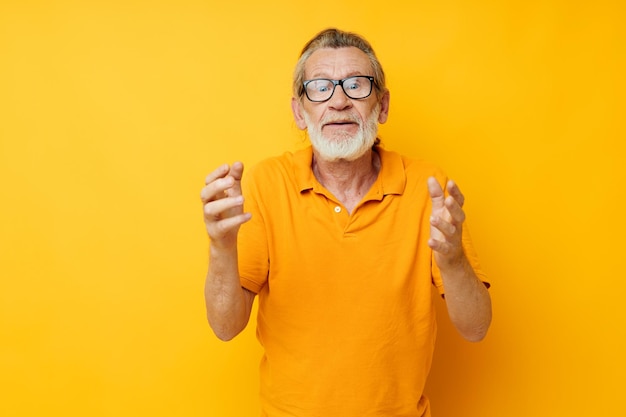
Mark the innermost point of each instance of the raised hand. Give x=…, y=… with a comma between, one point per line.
x=223, y=205
x=446, y=224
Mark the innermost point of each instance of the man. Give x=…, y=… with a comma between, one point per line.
x=341, y=242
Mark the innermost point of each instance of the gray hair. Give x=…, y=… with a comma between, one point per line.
x=335, y=39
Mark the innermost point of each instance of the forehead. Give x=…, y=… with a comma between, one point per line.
x=337, y=63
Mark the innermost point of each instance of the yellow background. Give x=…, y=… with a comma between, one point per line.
x=112, y=112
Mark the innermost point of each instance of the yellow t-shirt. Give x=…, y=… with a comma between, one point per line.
x=346, y=315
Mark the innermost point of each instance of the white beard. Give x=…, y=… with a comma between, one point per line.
x=347, y=147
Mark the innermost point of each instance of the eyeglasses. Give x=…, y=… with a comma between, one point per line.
x=322, y=89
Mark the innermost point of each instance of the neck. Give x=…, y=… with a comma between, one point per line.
x=348, y=181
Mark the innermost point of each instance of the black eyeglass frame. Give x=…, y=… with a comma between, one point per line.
x=339, y=82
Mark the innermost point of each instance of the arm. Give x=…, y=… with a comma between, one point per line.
x=228, y=305
x=467, y=298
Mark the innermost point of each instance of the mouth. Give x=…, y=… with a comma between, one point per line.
x=339, y=123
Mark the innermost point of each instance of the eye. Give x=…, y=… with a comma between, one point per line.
x=352, y=84
x=320, y=86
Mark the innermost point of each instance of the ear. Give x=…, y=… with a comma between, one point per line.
x=296, y=108
x=384, y=108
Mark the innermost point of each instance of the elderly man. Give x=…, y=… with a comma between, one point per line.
x=341, y=242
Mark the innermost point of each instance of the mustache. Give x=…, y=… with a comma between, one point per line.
x=338, y=118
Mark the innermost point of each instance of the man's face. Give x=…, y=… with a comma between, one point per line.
x=340, y=128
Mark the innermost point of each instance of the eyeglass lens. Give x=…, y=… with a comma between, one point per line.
x=323, y=89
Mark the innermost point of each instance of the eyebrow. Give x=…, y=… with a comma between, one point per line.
x=348, y=75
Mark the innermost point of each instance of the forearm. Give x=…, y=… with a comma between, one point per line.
x=227, y=303
x=468, y=301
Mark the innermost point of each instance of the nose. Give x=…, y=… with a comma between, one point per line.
x=339, y=99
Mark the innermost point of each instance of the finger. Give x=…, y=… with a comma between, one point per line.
x=219, y=172
x=436, y=193
x=438, y=246
x=236, y=170
x=216, y=188
x=236, y=173
x=447, y=229
x=456, y=213
x=215, y=209
x=225, y=226
x=454, y=191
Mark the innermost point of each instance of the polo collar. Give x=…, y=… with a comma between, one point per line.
x=391, y=178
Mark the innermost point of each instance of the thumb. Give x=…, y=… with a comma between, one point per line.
x=235, y=172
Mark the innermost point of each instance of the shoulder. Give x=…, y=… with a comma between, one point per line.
x=415, y=169
x=289, y=167
x=272, y=166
